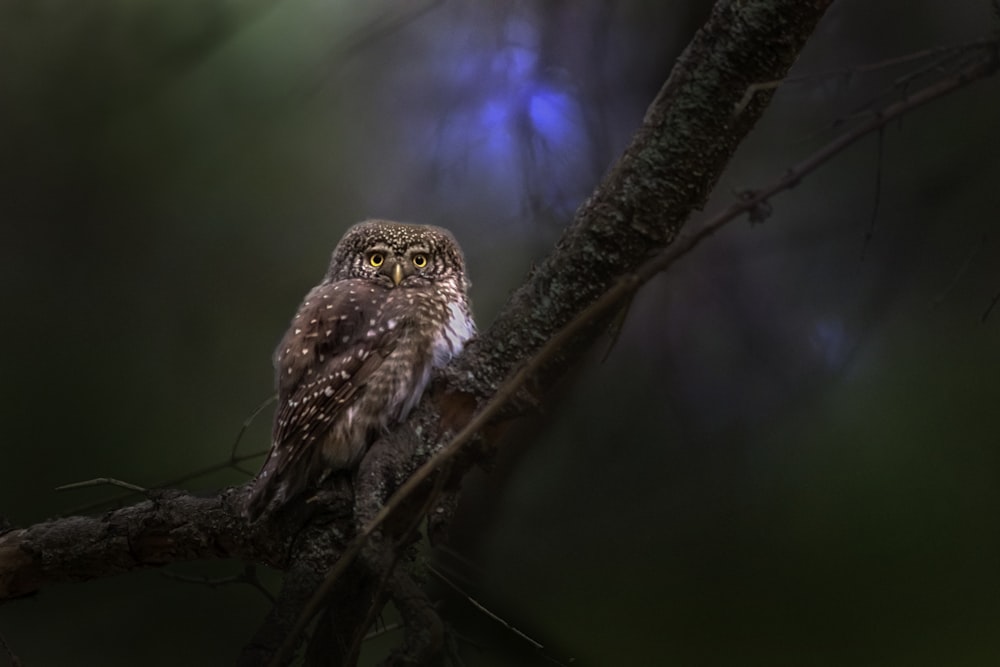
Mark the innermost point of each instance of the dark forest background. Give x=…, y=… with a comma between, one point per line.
x=789, y=456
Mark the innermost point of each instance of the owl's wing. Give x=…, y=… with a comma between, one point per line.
x=332, y=348
x=305, y=415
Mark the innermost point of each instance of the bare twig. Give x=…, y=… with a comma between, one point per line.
x=234, y=463
x=248, y=576
x=894, y=61
x=385, y=629
x=176, y=481
x=103, y=481
x=385, y=25
x=941, y=55
x=246, y=424
x=482, y=608
x=870, y=234
x=14, y=660
x=962, y=270
x=993, y=303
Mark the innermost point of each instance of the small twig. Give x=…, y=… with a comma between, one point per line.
x=246, y=424
x=14, y=660
x=945, y=59
x=215, y=467
x=475, y=603
x=482, y=608
x=248, y=577
x=234, y=463
x=752, y=90
x=943, y=52
x=936, y=66
x=870, y=233
x=386, y=25
x=894, y=61
x=993, y=303
x=377, y=30
x=177, y=481
x=103, y=481
x=962, y=270
x=615, y=329
x=385, y=629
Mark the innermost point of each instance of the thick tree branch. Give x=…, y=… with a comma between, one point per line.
x=169, y=527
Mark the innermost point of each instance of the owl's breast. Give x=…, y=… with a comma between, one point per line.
x=431, y=331
x=456, y=329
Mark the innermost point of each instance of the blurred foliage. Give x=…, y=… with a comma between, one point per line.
x=789, y=457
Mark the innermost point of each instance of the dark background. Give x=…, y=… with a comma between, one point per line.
x=790, y=455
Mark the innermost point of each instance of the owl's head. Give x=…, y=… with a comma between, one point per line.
x=397, y=254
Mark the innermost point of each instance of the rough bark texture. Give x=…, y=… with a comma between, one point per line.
x=688, y=136
x=169, y=527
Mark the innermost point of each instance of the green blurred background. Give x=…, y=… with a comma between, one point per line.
x=790, y=456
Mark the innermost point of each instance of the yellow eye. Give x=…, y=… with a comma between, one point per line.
x=376, y=259
x=420, y=261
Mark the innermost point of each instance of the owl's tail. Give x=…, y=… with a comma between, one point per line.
x=280, y=480
x=270, y=489
x=265, y=492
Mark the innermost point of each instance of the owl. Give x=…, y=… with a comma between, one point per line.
x=392, y=307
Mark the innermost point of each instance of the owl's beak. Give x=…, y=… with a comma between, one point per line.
x=397, y=273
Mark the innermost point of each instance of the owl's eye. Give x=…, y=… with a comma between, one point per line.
x=420, y=260
x=376, y=259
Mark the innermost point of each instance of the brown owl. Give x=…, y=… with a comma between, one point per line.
x=392, y=307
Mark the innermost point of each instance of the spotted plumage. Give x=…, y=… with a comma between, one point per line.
x=392, y=307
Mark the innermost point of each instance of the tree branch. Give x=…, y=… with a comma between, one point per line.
x=169, y=527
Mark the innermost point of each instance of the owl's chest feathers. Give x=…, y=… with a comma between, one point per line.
x=456, y=329
x=425, y=342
